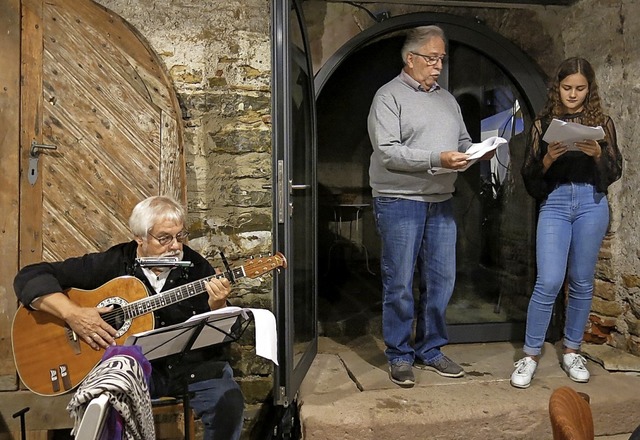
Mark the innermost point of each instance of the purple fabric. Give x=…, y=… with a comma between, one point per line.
x=135, y=351
x=114, y=424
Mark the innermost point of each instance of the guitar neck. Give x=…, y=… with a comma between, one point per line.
x=173, y=296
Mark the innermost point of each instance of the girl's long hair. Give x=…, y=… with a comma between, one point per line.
x=592, y=113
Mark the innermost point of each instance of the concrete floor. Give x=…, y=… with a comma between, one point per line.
x=347, y=395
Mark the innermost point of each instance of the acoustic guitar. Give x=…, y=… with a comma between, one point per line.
x=52, y=359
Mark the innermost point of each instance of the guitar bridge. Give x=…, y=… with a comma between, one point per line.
x=73, y=340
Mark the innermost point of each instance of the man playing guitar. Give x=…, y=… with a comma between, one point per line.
x=158, y=227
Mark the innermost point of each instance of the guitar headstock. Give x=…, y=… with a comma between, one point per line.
x=258, y=266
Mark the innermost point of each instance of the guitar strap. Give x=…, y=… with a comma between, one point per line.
x=129, y=269
x=227, y=267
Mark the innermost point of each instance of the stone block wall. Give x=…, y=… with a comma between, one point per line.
x=609, y=39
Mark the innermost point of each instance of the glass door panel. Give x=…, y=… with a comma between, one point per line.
x=294, y=199
x=494, y=213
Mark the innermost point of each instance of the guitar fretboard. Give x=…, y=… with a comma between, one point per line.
x=164, y=299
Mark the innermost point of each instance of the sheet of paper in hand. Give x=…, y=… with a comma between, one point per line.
x=475, y=152
x=571, y=132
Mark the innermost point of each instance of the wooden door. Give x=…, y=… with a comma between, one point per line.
x=105, y=103
x=9, y=178
x=91, y=88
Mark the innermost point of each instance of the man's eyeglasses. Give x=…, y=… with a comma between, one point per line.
x=166, y=239
x=431, y=60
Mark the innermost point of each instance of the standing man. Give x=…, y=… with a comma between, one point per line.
x=158, y=228
x=414, y=126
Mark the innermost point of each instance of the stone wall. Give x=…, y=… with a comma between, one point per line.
x=609, y=39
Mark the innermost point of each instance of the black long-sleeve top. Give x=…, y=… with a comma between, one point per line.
x=573, y=166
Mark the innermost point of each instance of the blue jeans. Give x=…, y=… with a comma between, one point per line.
x=571, y=226
x=220, y=406
x=217, y=402
x=423, y=235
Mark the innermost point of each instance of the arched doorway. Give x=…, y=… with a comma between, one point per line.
x=499, y=90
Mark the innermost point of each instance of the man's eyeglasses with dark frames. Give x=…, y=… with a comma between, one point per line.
x=166, y=239
x=431, y=60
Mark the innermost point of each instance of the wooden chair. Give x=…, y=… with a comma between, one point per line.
x=169, y=419
x=168, y=414
x=570, y=414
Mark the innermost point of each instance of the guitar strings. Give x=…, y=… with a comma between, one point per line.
x=158, y=300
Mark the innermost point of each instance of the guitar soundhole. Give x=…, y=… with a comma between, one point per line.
x=115, y=318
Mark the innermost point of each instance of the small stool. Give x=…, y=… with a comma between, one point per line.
x=169, y=419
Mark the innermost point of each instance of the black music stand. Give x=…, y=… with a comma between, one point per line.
x=205, y=330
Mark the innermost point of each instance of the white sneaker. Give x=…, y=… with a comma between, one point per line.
x=525, y=370
x=576, y=367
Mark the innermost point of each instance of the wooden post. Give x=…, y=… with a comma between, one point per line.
x=9, y=179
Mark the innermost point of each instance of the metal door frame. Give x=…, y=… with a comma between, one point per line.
x=288, y=377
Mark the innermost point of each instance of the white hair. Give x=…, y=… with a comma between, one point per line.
x=418, y=37
x=153, y=210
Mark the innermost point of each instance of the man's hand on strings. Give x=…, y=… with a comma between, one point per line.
x=218, y=290
x=88, y=324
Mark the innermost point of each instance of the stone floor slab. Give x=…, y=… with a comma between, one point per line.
x=481, y=405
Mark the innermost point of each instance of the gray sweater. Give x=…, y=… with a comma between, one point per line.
x=408, y=129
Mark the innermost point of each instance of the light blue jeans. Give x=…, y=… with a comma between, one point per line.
x=572, y=223
x=423, y=235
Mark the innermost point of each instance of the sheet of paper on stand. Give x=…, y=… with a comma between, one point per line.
x=571, y=132
x=475, y=152
x=165, y=341
x=265, y=323
x=266, y=339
